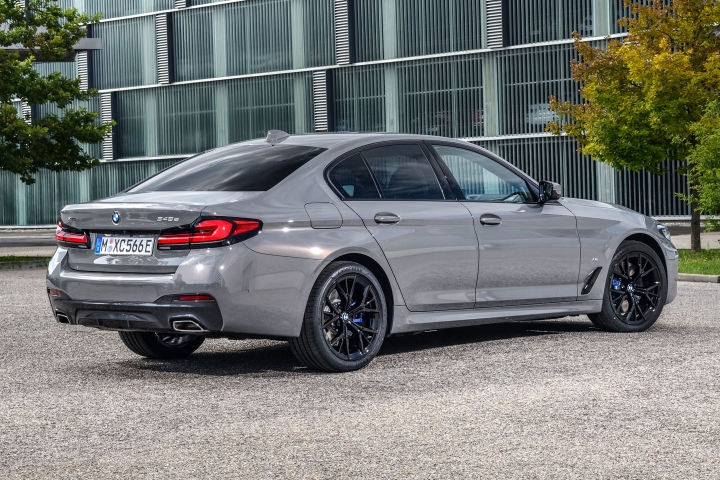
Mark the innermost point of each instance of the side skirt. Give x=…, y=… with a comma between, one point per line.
x=405, y=321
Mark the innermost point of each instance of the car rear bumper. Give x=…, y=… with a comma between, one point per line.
x=166, y=315
x=255, y=294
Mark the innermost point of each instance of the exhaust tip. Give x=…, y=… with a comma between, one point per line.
x=62, y=318
x=187, y=326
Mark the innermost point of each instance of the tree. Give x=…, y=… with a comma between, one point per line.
x=705, y=162
x=44, y=31
x=644, y=94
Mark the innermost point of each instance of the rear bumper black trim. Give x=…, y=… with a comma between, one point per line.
x=127, y=316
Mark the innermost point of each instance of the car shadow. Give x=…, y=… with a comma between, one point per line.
x=480, y=334
x=276, y=359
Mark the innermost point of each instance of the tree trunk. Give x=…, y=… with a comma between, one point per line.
x=695, y=244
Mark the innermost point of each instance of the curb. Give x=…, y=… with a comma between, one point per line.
x=24, y=265
x=693, y=277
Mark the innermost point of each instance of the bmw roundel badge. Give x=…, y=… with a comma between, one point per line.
x=116, y=217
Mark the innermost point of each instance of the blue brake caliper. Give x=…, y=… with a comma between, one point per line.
x=616, y=285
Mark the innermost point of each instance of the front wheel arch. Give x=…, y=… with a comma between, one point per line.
x=650, y=242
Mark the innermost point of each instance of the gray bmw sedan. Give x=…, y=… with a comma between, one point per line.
x=334, y=242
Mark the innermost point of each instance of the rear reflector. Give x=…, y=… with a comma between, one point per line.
x=196, y=298
x=54, y=293
x=209, y=231
x=62, y=234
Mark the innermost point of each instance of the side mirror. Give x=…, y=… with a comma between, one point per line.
x=549, y=191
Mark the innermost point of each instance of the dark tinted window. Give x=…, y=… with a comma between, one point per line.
x=352, y=178
x=247, y=168
x=483, y=179
x=404, y=172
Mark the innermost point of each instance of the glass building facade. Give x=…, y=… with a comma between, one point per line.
x=183, y=76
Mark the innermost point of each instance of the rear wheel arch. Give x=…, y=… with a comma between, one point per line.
x=382, y=277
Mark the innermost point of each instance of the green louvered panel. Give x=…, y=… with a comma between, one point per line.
x=129, y=54
x=118, y=8
x=526, y=79
x=40, y=203
x=652, y=194
x=407, y=28
x=257, y=105
x=66, y=69
x=359, y=99
x=252, y=37
x=187, y=119
x=534, y=21
x=436, y=97
x=441, y=97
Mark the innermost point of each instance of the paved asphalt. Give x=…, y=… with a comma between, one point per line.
x=554, y=399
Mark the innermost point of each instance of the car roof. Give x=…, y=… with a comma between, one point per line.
x=345, y=140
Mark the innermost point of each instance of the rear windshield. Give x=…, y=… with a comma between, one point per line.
x=247, y=168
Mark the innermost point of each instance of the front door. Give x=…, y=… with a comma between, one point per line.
x=529, y=252
x=428, y=239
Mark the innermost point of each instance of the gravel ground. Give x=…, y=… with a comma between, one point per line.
x=554, y=399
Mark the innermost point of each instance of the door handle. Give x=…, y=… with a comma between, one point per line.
x=489, y=219
x=385, y=218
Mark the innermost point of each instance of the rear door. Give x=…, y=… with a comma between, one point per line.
x=427, y=237
x=529, y=252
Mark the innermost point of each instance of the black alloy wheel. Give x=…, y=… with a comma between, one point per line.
x=345, y=320
x=635, y=290
x=351, y=317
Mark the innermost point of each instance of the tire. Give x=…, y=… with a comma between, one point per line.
x=635, y=290
x=331, y=339
x=160, y=345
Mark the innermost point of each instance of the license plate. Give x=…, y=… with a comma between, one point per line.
x=124, y=246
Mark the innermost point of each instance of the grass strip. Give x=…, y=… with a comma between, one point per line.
x=13, y=258
x=704, y=262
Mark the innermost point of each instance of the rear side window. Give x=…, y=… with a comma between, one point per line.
x=352, y=179
x=404, y=173
x=246, y=168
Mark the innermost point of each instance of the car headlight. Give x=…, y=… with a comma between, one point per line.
x=665, y=231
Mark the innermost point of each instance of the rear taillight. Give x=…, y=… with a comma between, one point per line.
x=195, y=298
x=212, y=232
x=70, y=238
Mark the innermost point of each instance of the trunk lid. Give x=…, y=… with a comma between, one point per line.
x=141, y=215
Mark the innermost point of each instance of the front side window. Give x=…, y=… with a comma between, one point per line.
x=244, y=168
x=404, y=173
x=353, y=180
x=483, y=179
